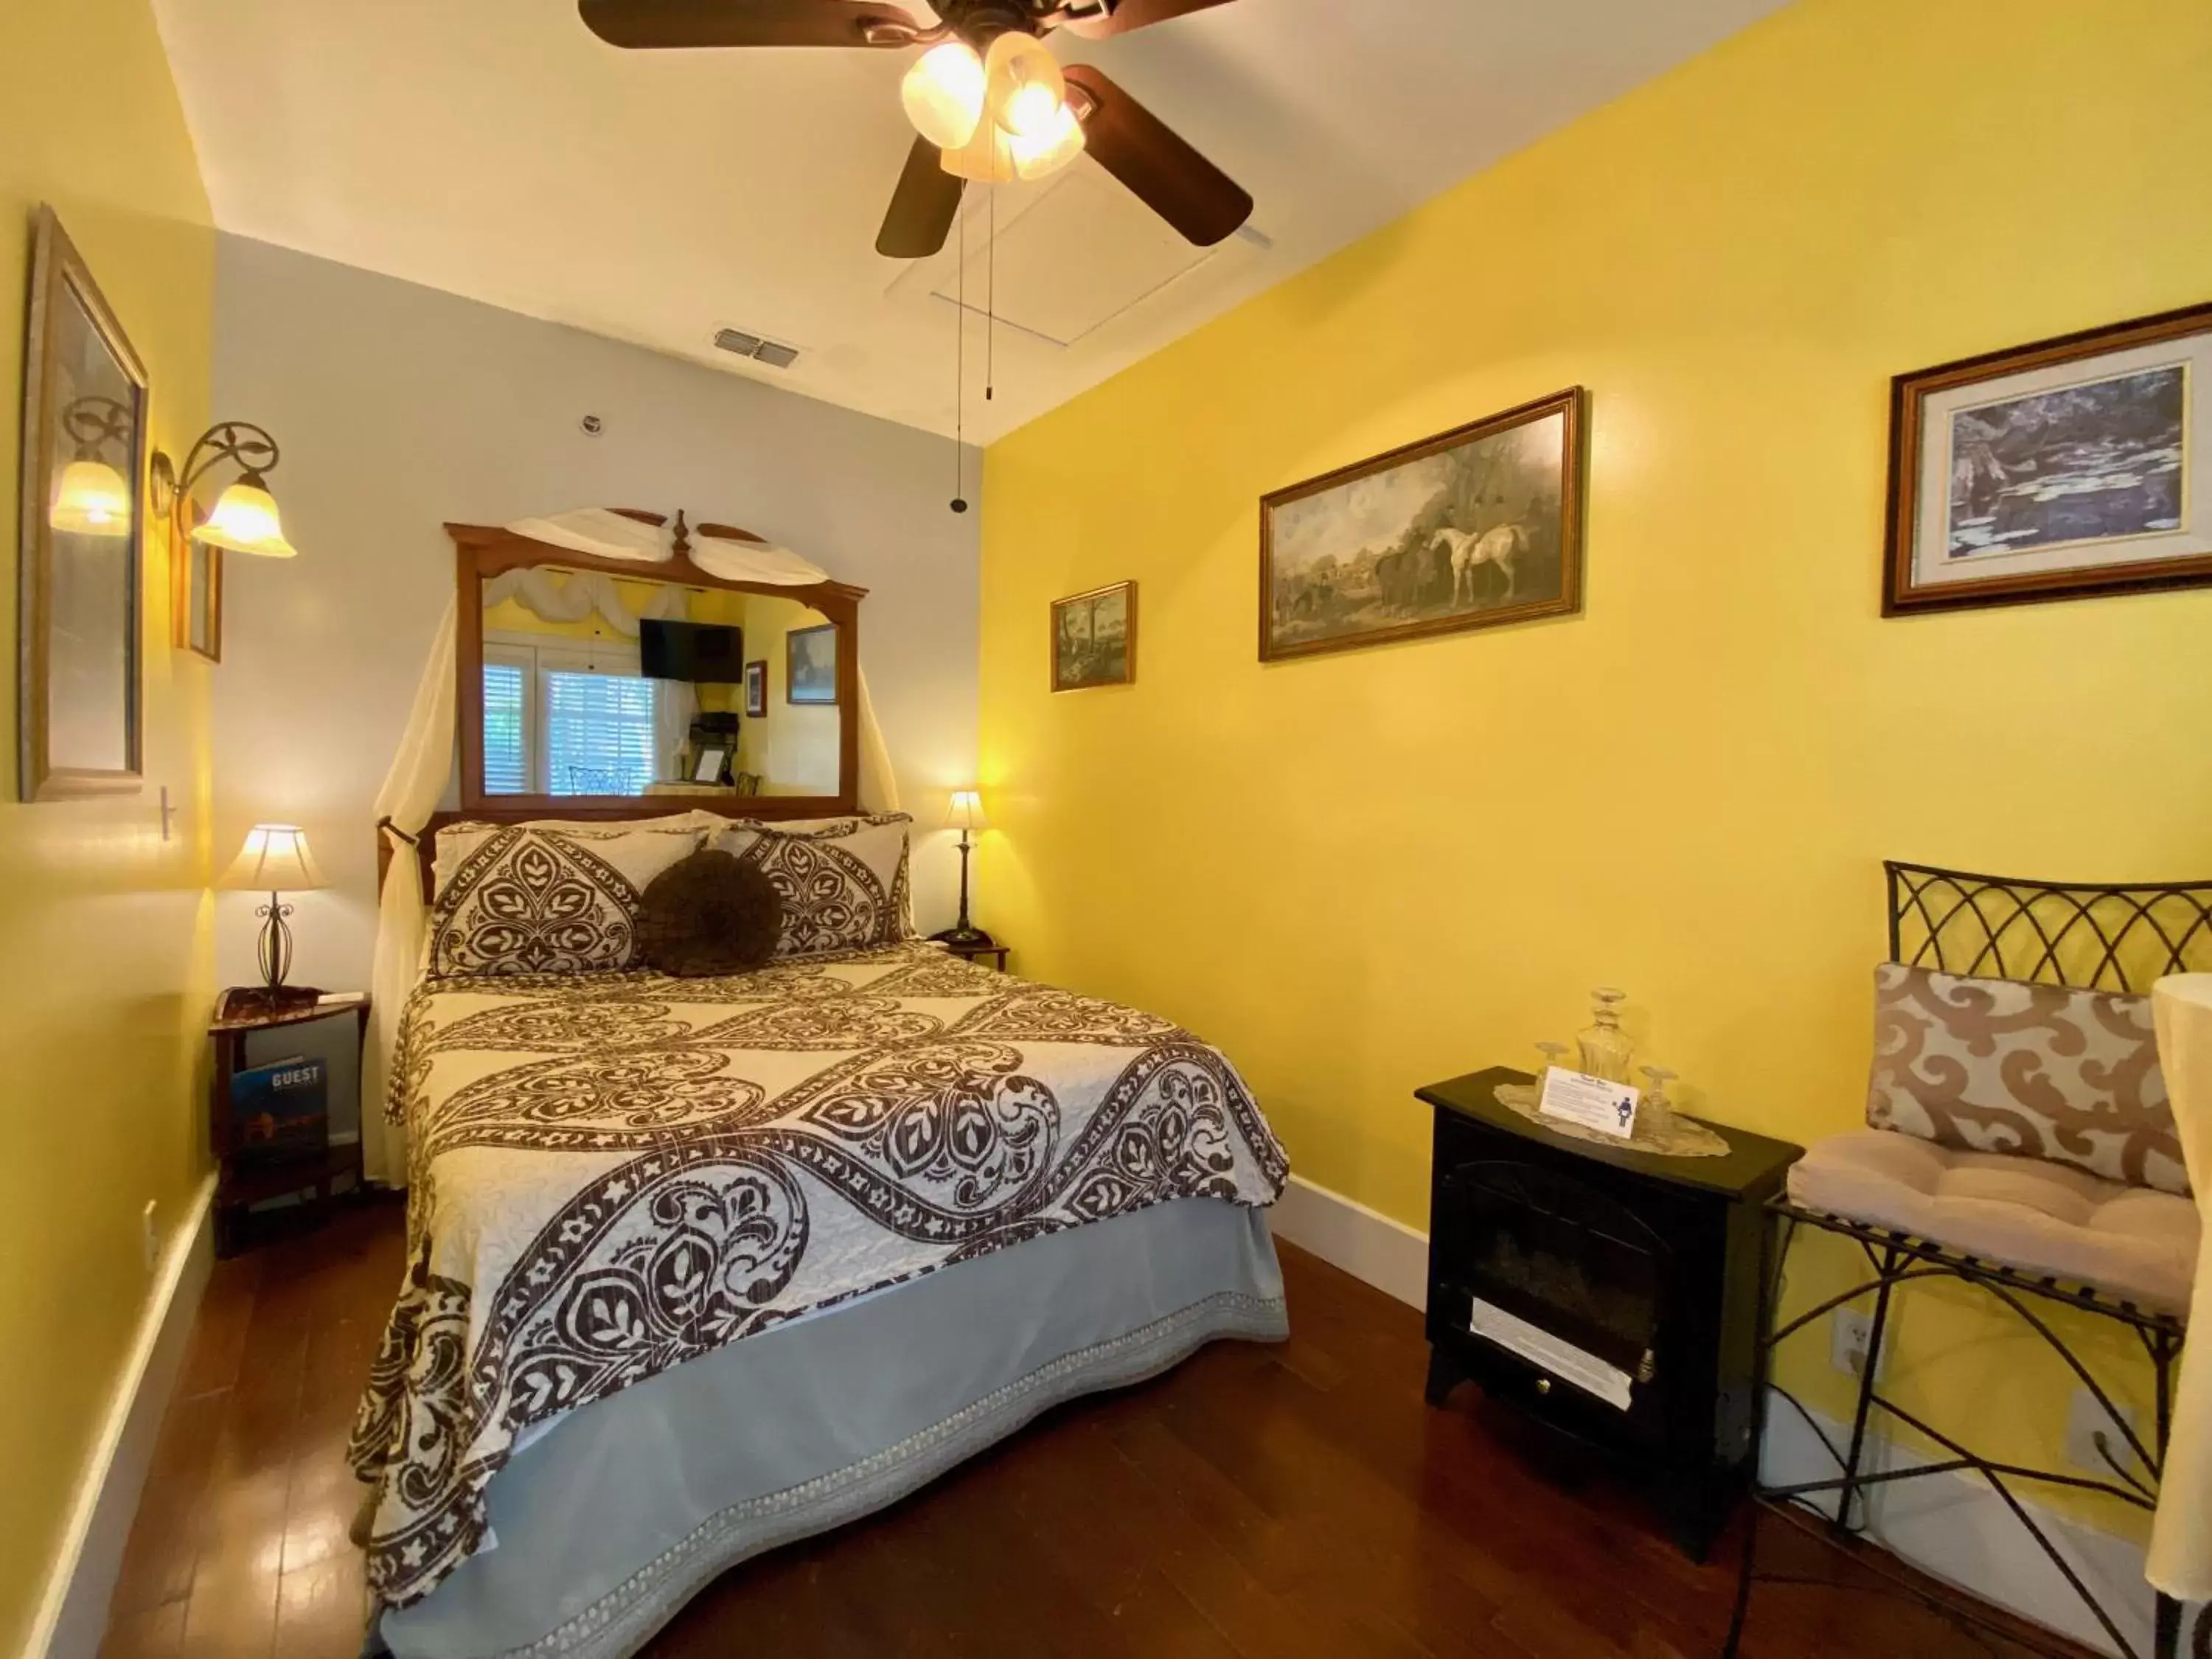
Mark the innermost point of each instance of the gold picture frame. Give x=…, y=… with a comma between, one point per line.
x=195, y=593
x=80, y=678
x=1094, y=638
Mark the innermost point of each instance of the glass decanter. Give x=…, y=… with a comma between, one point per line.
x=1657, y=1112
x=1606, y=1049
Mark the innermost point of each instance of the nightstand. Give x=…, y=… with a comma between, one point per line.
x=978, y=953
x=242, y=1179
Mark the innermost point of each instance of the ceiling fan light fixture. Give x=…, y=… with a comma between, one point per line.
x=1034, y=158
x=1024, y=89
x=987, y=158
x=944, y=94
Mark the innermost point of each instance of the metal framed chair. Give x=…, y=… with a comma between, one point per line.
x=2086, y=936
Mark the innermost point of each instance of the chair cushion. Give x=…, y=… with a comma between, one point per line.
x=2037, y=1217
x=2045, y=1071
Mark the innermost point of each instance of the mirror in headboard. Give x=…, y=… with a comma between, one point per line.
x=593, y=687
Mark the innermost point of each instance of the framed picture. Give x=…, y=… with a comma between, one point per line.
x=810, y=666
x=1094, y=638
x=756, y=689
x=1473, y=528
x=2074, y=467
x=81, y=543
x=195, y=595
x=711, y=762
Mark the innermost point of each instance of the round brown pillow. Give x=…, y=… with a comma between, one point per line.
x=708, y=913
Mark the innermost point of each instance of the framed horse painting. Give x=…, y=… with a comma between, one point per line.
x=1475, y=527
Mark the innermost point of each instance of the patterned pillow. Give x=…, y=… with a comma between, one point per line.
x=843, y=880
x=531, y=899
x=2043, y=1071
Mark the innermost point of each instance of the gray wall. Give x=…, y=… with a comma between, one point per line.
x=400, y=407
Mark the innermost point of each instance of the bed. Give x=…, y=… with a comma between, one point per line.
x=697, y=1266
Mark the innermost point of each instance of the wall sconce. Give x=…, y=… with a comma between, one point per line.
x=245, y=518
x=91, y=498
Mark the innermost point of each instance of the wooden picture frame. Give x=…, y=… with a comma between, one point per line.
x=1081, y=659
x=2075, y=466
x=756, y=689
x=806, y=680
x=1477, y=528
x=195, y=595
x=80, y=594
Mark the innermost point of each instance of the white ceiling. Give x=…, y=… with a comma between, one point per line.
x=496, y=149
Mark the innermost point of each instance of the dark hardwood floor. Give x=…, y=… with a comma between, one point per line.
x=1259, y=1501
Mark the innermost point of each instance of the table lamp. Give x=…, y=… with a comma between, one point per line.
x=274, y=860
x=965, y=814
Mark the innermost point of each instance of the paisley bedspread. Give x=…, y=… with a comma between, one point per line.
x=616, y=1172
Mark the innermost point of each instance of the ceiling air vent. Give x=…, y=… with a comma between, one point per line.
x=775, y=354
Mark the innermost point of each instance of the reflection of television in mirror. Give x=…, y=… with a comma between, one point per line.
x=709, y=652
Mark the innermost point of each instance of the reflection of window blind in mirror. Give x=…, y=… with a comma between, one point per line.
x=506, y=745
x=600, y=734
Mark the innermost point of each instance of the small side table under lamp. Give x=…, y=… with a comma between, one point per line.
x=965, y=814
x=274, y=860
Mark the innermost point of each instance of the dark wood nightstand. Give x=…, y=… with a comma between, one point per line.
x=978, y=953
x=1609, y=1292
x=240, y=1182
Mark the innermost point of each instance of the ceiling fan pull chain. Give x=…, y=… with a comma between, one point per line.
x=960, y=369
x=991, y=301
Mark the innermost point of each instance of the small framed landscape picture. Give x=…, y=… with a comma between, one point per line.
x=2075, y=466
x=1094, y=638
x=195, y=595
x=810, y=665
x=756, y=689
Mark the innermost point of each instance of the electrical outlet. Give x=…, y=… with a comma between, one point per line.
x=2091, y=1434
x=1850, y=1333
x=150, y=1242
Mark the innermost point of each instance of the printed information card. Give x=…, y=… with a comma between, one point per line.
x=1589, y=1101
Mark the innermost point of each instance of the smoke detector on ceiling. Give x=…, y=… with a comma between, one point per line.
x=774, y=353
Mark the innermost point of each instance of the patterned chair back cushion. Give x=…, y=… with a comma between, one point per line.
x=843, y=881
x=531, y=898
x=2038, y=1071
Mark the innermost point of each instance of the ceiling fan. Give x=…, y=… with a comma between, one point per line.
x=987, y=98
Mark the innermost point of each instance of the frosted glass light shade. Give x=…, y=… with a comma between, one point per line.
x=944, y=94
x=986, y=159
x=91, y=499
x=274, y=860
x=966, y=811
x=1061, y=144
x=1022, y=86
x=244, y=521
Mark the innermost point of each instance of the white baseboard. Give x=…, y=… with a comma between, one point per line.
x=1366, y=1243
x=1954, y=1527
x=72, y=1614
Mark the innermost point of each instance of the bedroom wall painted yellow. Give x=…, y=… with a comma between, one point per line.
x=106, y=978
x=1363, y=872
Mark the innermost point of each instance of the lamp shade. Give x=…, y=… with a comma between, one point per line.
x=1057, y=145
x=244, y=521
x=274, y=860
x=966, y=811
x=943, y=93
x=92, y=499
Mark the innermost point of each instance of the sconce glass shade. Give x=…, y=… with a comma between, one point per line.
x=1061, y=144
x=966, y=811
x=91, y=499
x=1022, y=86
x=274, y=860
x=944, y=94
x=244, y=521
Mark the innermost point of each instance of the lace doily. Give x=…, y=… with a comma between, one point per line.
x=1668, y=1134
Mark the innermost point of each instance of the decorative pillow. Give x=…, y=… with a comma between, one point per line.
x=709, y=914
x=843, y=881
x=526, y=899
x=2042, y=1070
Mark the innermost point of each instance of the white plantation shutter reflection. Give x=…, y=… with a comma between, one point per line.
x=600, y=735
x=506, y=735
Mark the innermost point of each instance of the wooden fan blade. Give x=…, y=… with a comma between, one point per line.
x=922, y=207
x=1166, y=174
x=1137, y=15
x=646, y=23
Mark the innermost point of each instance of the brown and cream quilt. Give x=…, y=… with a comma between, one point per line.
x=615, y=1172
